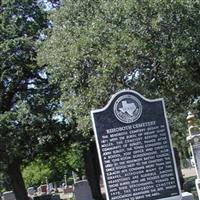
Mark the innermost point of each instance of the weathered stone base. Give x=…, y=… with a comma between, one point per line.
x=187, y=196
x=197, y=182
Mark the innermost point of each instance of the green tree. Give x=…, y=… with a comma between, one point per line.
x=4, y=182
x=29, y=123
x=59, y=164
x=168, y=59
x=99, y=47
x=65, y=161
x=35, y=173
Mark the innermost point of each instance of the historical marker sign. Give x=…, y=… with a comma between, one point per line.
x=135, y=149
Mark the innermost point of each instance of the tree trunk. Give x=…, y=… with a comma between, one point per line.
x=178, y=165
x=17, y=181
x=93, y=171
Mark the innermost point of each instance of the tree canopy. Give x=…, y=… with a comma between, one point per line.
x=99, y=47
x=93, y=49
x=35, y=173
x=29, y=122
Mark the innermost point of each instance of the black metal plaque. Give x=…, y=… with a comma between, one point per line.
x=135, y=150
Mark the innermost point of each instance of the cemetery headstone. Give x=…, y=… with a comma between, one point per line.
x=187, y=196
x=82, y=190
x=31, y=191
x=135, y=149
x=194, y=140
x=42, y=189
x=50, y=187
x=9, y=195
x=68, y=191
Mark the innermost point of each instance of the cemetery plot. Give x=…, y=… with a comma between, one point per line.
x=134, y=147
x=82, y=190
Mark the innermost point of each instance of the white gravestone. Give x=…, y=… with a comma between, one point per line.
x=196, y=151
x=9, y=195
x=187, y=196
x=194, y=140
x=31, y=191
x=82, y=190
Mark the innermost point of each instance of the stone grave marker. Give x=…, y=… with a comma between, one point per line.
x=187, y=196
x=9, y=195
x=194, y=140
x=68, y=191
x=31, y=191
x=135, y=149
x=82, y=190
x=42, y=189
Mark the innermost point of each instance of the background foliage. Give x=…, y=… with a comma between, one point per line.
x=88, y=51
x=35, y=173
x=99, y=47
